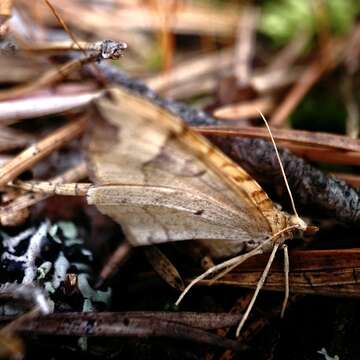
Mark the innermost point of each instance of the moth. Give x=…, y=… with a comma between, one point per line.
x=164, y=182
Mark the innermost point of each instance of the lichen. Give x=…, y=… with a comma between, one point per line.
x=43, y=258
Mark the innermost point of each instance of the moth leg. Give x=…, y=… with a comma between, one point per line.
x=224, y=272
x=226, y=264
x=258, y=288
x=286, y=273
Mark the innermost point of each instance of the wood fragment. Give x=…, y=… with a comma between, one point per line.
x=36, y=152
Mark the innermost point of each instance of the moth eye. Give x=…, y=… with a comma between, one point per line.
x=199, y=212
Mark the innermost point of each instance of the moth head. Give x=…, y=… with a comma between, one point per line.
x=301, y=225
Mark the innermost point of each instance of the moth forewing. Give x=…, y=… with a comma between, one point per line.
x=154, y=214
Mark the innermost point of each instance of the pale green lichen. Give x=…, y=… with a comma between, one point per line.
x=68, y=228
x=327, y=356
x=43, y=270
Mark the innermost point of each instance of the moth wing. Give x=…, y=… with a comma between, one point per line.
x=162, y=182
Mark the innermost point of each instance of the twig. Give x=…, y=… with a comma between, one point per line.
x=245, y=109
x=123, y=325
x=192, y=70
x=32, y=294
x=321, y=272
x=245, y=44
x=306, y=81
x=204, y=321
x=36, y=152
x=117, y=258
x=11, y=139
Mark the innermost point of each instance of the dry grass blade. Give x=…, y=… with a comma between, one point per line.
x=36, y=152
x=192, y=70
x=309, y=138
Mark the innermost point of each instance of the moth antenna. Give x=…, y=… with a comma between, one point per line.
x=280, y=163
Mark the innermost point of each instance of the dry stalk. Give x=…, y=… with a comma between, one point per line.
x=306, y=81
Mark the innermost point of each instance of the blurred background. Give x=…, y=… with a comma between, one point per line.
x=297, y=61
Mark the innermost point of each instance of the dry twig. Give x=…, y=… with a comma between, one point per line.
x=27, y=158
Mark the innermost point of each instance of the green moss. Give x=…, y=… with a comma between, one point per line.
x=281, y=20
